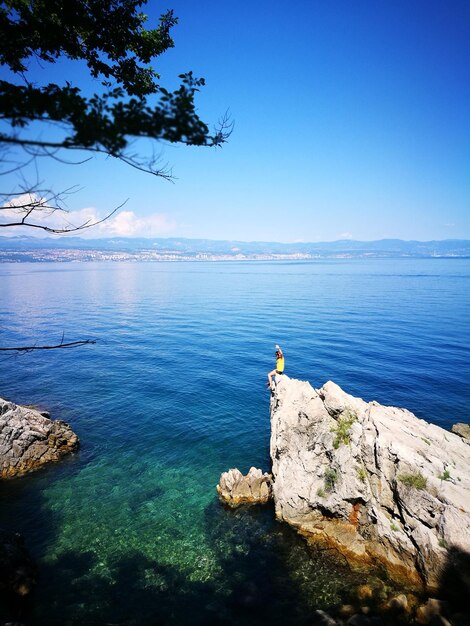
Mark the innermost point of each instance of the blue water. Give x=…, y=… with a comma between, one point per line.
x=129, y=530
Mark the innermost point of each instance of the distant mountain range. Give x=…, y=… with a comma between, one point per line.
x=21, y=248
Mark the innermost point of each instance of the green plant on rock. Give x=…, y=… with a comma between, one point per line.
x=445, y=475
x=343, y=429
x=415, y=480
x=330, y=476
x=361, y=473
x=321, y=492
x=394, y=527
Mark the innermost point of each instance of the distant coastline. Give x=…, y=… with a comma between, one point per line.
x=75, y=249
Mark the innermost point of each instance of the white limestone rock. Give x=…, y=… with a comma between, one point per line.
x=234, y=488
x=375, y=482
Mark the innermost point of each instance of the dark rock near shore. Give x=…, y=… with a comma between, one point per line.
x=28, y=439
x=18, y=572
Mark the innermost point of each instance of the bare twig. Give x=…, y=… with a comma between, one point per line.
x=45, y=202
x=70, y=344
x=37, y=148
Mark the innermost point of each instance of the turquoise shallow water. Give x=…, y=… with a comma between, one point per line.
x=129, y=530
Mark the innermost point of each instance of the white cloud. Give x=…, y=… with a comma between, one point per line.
x=128, y=224
x=122, y=224
x=19, y=201
x=345, y=236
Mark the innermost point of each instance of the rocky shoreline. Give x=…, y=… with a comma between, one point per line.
x=385, y=489
x=375, y=482
x=29, y=439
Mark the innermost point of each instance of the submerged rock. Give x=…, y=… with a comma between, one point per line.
x=28, y=439
x=374, y=482
x=18, y=573
x=234, y=488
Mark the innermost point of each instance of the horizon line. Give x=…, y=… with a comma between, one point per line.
x=65, y=236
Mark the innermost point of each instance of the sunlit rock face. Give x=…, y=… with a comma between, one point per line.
x=234, y=488
x=376, y=483
x=29, y=439
x=463, y=430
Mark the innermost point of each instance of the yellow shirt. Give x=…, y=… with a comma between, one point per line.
x=280, y=364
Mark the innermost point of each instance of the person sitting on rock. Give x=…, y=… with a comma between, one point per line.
x=279, y=367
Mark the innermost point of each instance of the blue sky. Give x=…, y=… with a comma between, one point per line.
x=352, y=120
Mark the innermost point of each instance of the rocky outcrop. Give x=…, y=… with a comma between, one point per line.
x=463, y=430
x=374, y=482
x=236, y=489
x=28, y=439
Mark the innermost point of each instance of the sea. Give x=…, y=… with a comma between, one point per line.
x=129, y=531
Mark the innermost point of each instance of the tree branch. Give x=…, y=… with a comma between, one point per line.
x=71, y=344
x=43, y=202
x=146, y=166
